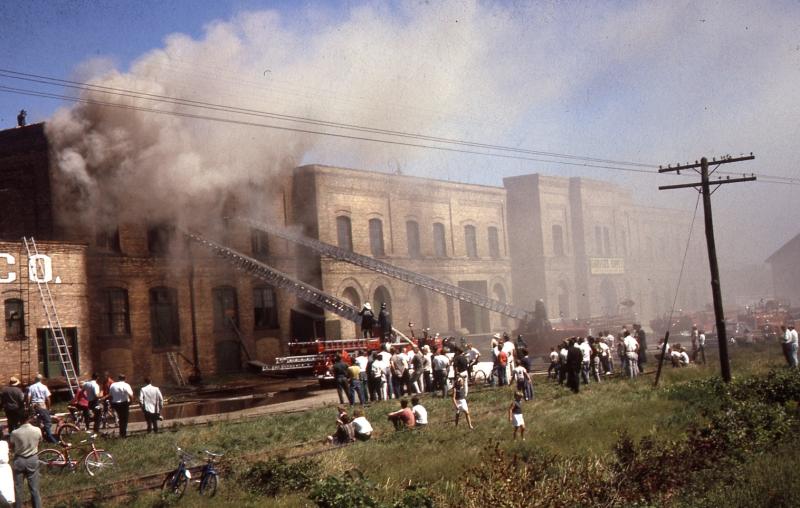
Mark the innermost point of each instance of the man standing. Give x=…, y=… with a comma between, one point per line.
x=586, y=359
x=791, y=339
x=340, y=373
x=121, y=395
x=354, y=379
x=631, y=356
x=385, y=323
x=13, y=401
x=440, y=365
x=92, y=390
x=573, y=365
x=152, y=403
x=367, y=320
x=25, y=445
x=641, y=338
x=38, y=393
x=701, y=346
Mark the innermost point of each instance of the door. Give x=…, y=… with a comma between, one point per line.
x=226, y=329
x=49, y=361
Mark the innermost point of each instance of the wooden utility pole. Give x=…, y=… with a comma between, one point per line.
x=705, y=188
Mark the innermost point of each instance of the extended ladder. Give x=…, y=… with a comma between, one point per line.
x=176, y=370
x=389, y=270
x=57, y=333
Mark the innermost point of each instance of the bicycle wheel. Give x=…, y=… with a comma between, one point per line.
x=69, y=433
x=174, y=486
x=51, y=461
x=478, y=377
x=208, y=487
x=97, y=461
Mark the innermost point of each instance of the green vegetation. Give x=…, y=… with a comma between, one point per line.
x=691, y=442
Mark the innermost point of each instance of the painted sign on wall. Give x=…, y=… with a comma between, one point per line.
x=40, y=268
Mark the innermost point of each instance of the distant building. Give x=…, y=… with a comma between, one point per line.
x=785, y=264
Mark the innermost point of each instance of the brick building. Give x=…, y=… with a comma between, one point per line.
x=130, y=294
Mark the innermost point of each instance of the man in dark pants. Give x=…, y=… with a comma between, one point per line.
x=574, y=364
x=13, y=401
x=385, y=323
x=25, y=445
x=340, y=372
x=641, y=338
x=121, y=395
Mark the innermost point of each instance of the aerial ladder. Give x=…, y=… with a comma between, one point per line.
x=382, y=267
x=278, y=279
x=53, y=323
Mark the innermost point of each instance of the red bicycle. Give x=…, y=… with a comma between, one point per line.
x=95, y=461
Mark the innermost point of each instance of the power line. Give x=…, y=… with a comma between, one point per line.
x=253, y=112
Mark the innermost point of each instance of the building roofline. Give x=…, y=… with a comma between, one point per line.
x=784, y=247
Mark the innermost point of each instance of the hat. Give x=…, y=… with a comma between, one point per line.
x=496, y=336
x=13, y=381
x=368, y=306
x=383, y=305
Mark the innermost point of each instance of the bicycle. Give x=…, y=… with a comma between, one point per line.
x=95, y=461
x=65, y=432
x=175, y=483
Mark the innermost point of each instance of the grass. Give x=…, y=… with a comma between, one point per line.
x=558, y=422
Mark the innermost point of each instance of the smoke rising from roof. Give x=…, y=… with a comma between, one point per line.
x=392, y=70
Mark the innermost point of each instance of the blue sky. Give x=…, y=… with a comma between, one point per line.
x=652, y=82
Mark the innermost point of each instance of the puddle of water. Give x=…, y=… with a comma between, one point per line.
x=210, y=405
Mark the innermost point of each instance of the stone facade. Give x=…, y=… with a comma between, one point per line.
x=407, y=208
x=584, y=246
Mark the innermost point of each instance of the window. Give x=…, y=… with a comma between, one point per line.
x=15, y=318
x=598, y=241
x=344, y=233
x=439, y=244
x=115, y=314
x=624, y=242
x=558, y=240
x=494, y=243
x=265, y=309
x=471, y=242
x=107, y=240
x=376, y=238
x=259, y=244
x=226, y=309
x=164, y=325
x=606, y=242
x=412, y=238
x=159, y=238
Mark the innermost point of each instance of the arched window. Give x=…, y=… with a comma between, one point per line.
x=558, y=240
x=115, y=312
x=471, y=241
x=164, y=325
x=159, y=238
x=15, y=318
x=265, y=308
x=494, y=243
x=412, y=239
x=344, y=233
x=381, y=296
x=376, y=238
x=439, y=243
x=351, y=295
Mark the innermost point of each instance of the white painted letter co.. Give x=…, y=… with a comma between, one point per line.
x=40, y=268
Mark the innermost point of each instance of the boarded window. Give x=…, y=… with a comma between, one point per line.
x=412, y=238
x=439, y=243
x=558, y=240
x=494, y=243
x=344, y=233
x=164, y=325
x=376, y=238
x=265, y=308
x=116, y=318
x=15, y=318
x=471, y=242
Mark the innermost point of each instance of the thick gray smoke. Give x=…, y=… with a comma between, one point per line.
x=394, y=70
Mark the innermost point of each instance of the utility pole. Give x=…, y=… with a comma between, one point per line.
x=705, y=188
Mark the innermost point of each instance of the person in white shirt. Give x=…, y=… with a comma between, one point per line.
x=612, y=343
x=631, y=356
x=605, y=356
x=701, y=346
x=92, y=390
x=553, y=364
x=792, y=334
x=562, y=360
x=121, y=395
x=152, y=403
x=38, y=393
x=586, y=351
x=509, y=349
x=440, y=366
x=420, y=413
x=361, y=426
x=6, y=475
